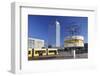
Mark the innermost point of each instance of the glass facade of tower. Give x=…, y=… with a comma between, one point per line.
x=54, y=34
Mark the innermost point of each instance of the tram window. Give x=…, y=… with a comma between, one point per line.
x=43, y=51
x=52, y=51
x=29, y=52
x=36, y=52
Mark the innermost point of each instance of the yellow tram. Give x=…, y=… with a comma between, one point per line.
x=52, y=51
x=36, y=52
x=39, y=52
x=30, y=53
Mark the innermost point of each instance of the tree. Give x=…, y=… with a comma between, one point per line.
x=49, y=46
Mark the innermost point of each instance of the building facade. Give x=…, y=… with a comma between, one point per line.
x=74, y=41
x=35, y=43
x=57, y=34
x=54, y=34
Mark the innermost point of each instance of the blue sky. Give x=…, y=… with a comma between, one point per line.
x=38, y=26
